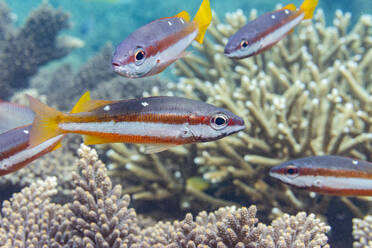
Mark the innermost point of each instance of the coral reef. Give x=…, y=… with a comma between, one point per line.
x=231, y=227
x=308, y=95
x=362, y=232
x=29, y=219
x=23, y=50
x=99, y=217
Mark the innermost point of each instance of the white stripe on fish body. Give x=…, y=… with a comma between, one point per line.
x=28, y=153
x=327, y=182
x=149, y=129
x=173, y=51
x=278, y=34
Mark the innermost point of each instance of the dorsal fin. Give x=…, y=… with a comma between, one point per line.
x=184, y=15
x=80, y=105
x=85, y=104
x=290, y=7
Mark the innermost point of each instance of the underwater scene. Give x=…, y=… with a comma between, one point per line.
x=203, y=123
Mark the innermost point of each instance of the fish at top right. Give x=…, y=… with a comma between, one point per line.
x=268, y=29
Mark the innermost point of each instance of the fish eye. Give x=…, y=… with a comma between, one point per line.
x=291, y=171
x=244, y=43
x=219, y=121
x=139, y=56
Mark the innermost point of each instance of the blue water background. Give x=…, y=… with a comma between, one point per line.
x=98, y=21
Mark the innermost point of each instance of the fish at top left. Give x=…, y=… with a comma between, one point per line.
x=15, y=128
x=154, y=46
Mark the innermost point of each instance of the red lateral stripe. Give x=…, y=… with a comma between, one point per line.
x=341, y=192
x=162, y=45
x=155, y=118
x=165, y=43
x=279, y=24
x=14, y=150
x=334, y=173
x=20, y=165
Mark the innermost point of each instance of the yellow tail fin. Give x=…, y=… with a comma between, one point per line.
x=203, y=18
x=45, y=125
x=308, y=7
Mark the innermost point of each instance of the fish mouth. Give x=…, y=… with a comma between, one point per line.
x=119, y=69
x=227, y=51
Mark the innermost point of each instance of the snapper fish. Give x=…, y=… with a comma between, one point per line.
x=15, y=151
x=153, y=47
x=14, y=115
x=160, y=122
x=333, y=175
x=268, y=29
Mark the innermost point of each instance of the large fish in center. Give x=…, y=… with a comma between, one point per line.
x=153, y=47
x=159, y=122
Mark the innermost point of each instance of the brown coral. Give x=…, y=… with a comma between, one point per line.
x=37, y=40
x=27, y=220
x=99, y=214
x=231, y=227
x=362, y=232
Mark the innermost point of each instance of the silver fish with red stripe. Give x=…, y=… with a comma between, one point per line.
x=13, y=115
x=153, y=47
x=15, y=151
x=160, y=122
x=268, y=29
x=334, y=175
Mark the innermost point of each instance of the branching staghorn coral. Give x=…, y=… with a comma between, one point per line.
x=24, y=50
x=99, y=214
x=231, y=227
x=99, y=217
x=28, y=219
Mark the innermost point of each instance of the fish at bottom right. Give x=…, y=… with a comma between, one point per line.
x=335, y=175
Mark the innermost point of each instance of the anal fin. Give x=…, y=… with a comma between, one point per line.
x=59, y=145
x=94, y=140
x=155, y=148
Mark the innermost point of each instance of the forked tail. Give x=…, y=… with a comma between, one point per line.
x=203, y=18
x=308, y=7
